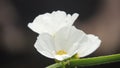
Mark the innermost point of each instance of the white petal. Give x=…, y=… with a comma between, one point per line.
x=88, y=45
x=51, y=23
x=42, y=24
x=74, y=17
x=35, y=27
x=61, y=57
x=45, y=45
x=67, y=39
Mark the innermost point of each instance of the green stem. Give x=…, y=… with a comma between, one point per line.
x=63, y=65
x=88, y=61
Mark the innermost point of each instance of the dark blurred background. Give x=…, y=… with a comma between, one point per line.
x=99, y=17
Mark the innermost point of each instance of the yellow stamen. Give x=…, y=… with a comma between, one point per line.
x=61, y=52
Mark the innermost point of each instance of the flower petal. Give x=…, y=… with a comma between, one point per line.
x=42, y=23
x=61, y=57
x=71, y=19
x=45, y=45
x=88, y=45
x=51, y=23
x=68, y=39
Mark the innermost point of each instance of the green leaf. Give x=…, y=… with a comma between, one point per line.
x=88, y=61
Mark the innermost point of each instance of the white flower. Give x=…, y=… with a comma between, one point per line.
x=52, y=22
x=89, y=44
x=65, y=43
x=58, y=39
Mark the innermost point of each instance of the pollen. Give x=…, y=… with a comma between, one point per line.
x=61, y=52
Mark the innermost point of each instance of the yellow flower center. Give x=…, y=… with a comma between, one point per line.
x=61, y=52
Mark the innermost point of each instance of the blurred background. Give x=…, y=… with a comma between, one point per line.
x=99, y=17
